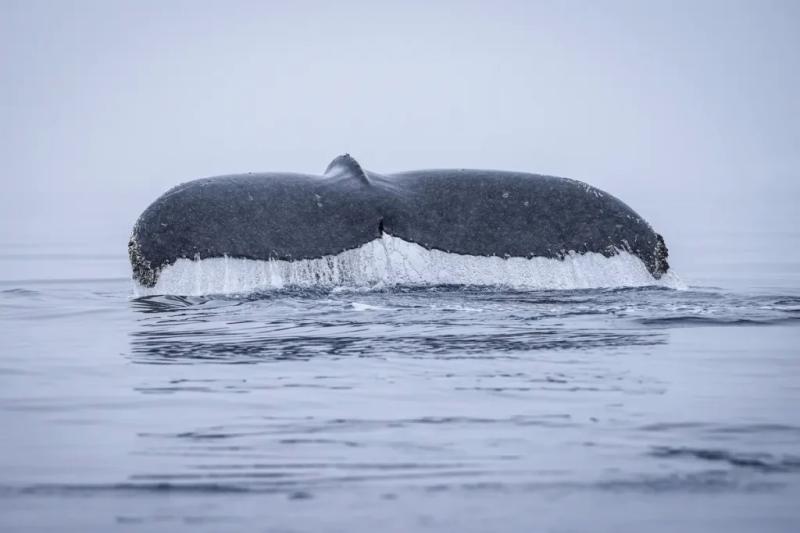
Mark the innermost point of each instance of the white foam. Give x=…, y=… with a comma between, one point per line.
x=392, y=261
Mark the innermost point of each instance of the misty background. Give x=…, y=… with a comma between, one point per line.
x=687, y=111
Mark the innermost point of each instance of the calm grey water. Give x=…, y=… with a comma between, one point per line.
x=445, y=408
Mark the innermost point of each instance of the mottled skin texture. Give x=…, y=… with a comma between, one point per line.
x=298, y=216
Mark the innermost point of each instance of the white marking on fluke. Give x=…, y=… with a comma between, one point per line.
x=392, y=261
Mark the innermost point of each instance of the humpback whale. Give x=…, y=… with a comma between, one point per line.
x=294, y=217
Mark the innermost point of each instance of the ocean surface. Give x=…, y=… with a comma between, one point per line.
x=401, y=408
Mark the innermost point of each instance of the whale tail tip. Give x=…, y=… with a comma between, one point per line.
x=660, y=257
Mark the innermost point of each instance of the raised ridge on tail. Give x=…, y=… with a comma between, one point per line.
x=346, y=165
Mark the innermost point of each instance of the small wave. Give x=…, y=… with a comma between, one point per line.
x=789, y=301
x=162, y=348
x=740, y=429
x=704, y=482
x=436, y=479
x=161, y=303
x=358, y=306
x=60, y=489
x=23, y=293
x=694, y=320
x=391, y=261
x=763, y=462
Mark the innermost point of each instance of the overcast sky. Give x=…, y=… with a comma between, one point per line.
x=688, y=111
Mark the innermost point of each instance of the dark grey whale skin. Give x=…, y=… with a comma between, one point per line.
x=299, y=216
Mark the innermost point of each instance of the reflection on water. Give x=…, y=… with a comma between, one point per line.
x=443, y=322
x=150, y=346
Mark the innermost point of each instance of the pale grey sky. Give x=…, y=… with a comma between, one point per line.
x=688, y=111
